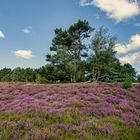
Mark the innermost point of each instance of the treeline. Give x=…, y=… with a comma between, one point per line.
x=52, y=74
x=77, y=57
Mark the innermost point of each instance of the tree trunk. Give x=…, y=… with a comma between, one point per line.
x=74, y=78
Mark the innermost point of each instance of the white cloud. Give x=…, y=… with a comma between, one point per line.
x=2, y=36
x=27, y=54
x=137, y=24
x=132, y=58
x=133, y=44
x=116, y=9
x=85, y=2
x=27, y=29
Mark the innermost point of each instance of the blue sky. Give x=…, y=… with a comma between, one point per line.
x=27, y=27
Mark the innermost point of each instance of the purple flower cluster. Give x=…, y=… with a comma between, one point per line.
x=100, y=100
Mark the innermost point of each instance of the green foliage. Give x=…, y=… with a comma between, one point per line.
x=127, y=69
x=39, y=125
x=40, y=79
x=102, y=60
x=128, y=134
x=17, y=75
x=127, y=82
x=72, y=60
x=3, y=73
x=29, y=75
x=68, y=49
x=116, y=122
x=6, y=78
x=53, y=73
x=138, y=78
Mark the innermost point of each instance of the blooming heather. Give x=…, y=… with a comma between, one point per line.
x=87, y=102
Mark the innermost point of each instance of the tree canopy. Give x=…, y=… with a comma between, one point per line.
x=72, y=60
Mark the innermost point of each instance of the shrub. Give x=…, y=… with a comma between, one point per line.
x=6, y=78
x=41, y=80
x=127, y=82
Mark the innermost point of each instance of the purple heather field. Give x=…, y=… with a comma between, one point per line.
x=100, y=100
x=95, y=101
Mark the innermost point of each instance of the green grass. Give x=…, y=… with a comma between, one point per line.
x=39, y=125
x=114, y=121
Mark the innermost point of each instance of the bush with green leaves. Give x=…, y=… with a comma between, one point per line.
x=127, y=82
x=40, y=79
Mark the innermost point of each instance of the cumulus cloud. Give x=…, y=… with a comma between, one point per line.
x=131, y=58
x=27, y=54
x=116, y=9
x=2, y=36
x=134, y=44
x=27, y=29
